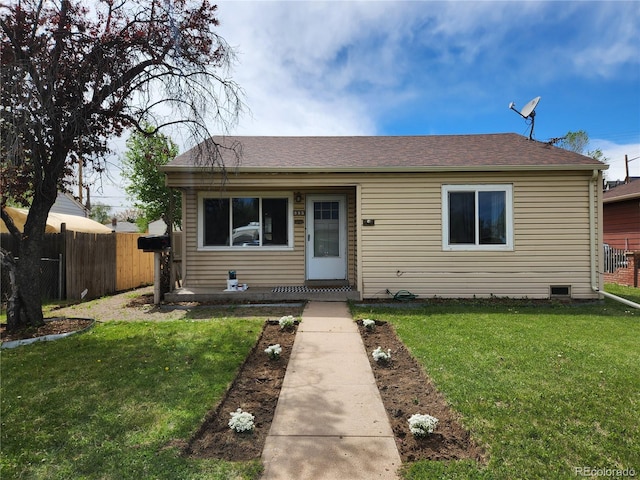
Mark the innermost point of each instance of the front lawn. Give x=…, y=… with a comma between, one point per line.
x=114, y=403
x=549, y=391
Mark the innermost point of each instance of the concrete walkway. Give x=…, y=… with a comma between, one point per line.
x=329, y=422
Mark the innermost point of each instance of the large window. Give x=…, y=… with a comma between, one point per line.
x=477, y=217
x=245, y=222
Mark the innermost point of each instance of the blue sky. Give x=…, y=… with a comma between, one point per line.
x=432, y=68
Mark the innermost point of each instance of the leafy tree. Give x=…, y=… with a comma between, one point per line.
x=76, y=73
x=145, y=153
x=100, y=213
x=578, y=142
x=575, y=141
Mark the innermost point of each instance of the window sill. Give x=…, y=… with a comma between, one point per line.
x=245, y=249
x=477, y=248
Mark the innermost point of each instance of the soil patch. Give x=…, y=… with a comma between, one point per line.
x=406, y=389
x=52, y=326
x=255, y=390
x=403, y=385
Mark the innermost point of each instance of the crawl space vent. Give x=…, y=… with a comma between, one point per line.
x=563, y=291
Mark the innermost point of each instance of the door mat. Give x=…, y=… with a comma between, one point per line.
x=303, y=289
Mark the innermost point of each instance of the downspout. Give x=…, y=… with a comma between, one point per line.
x=593, y=241
x=360, y=281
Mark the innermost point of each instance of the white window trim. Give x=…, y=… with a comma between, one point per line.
x=507, y=188
x=200, y=233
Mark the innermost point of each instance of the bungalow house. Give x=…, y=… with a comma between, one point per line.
x=621, y=233
x=621, y=211
x=435, y=216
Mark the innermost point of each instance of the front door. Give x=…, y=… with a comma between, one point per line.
x=326, y=250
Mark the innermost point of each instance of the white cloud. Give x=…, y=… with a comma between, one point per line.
x=340, y=67
x=287, y=67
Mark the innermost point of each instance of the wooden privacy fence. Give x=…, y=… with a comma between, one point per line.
x=105, y=264
x=100, y=264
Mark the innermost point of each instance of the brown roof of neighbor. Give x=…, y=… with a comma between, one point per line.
x=626, y=191
x=505, y=151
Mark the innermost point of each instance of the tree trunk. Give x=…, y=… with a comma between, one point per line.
x=25, y=309
x=13, y=311
x=167, y=257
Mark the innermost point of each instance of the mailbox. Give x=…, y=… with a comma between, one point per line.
x=154, y=243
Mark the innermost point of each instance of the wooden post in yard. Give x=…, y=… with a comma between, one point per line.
x=157, y=264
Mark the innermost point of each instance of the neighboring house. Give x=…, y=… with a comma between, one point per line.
x=122, y=227
x=74, y=223
x=439, y=216
x=66, y=204
x=621, y=216
x=158, y=227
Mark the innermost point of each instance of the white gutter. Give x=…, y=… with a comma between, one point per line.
x=593, y=242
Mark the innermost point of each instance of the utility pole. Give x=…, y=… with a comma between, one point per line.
x=626, y=169
x=80, y=188
x=627, y=178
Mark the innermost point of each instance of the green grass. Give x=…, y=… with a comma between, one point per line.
x=544, y=389
x=107, y=404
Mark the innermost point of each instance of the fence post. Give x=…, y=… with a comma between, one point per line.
x=63, y=261
x=60, y=276
x=157, y=264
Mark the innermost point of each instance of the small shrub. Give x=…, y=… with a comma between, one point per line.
x=381, y=356
x=422, y=425
x=286, y=322
x=369, y=324
x=273, y=351
x=241, y=421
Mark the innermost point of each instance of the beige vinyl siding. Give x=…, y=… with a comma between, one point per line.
x=403, y=250
x=254, y=266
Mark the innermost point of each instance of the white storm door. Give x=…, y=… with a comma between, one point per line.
x=326, y=250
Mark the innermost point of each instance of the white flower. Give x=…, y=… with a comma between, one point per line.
x=241, y=421
x=286, y=321
x=422, y=425
x=380, y=356
x=273, y=351
x=369, y=324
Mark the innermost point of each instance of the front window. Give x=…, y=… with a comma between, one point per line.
x=245, y=222
x=477, y=217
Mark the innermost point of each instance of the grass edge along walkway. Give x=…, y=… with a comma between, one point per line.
x=110, y=403
x=549, y=390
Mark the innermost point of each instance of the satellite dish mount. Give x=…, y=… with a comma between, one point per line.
x=527, y=112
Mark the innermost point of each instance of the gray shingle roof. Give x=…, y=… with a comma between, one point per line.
x=507, y=151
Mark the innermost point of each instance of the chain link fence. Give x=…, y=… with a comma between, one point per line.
x=51, y=280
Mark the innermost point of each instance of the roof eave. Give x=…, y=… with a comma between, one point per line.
x=622, y=198
x=403, y=169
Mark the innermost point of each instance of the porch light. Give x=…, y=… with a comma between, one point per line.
x=298, y=197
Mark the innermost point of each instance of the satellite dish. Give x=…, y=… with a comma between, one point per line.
x=527, y=112
x=528, y=109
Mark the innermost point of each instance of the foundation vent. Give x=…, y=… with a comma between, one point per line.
x=560, y=291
